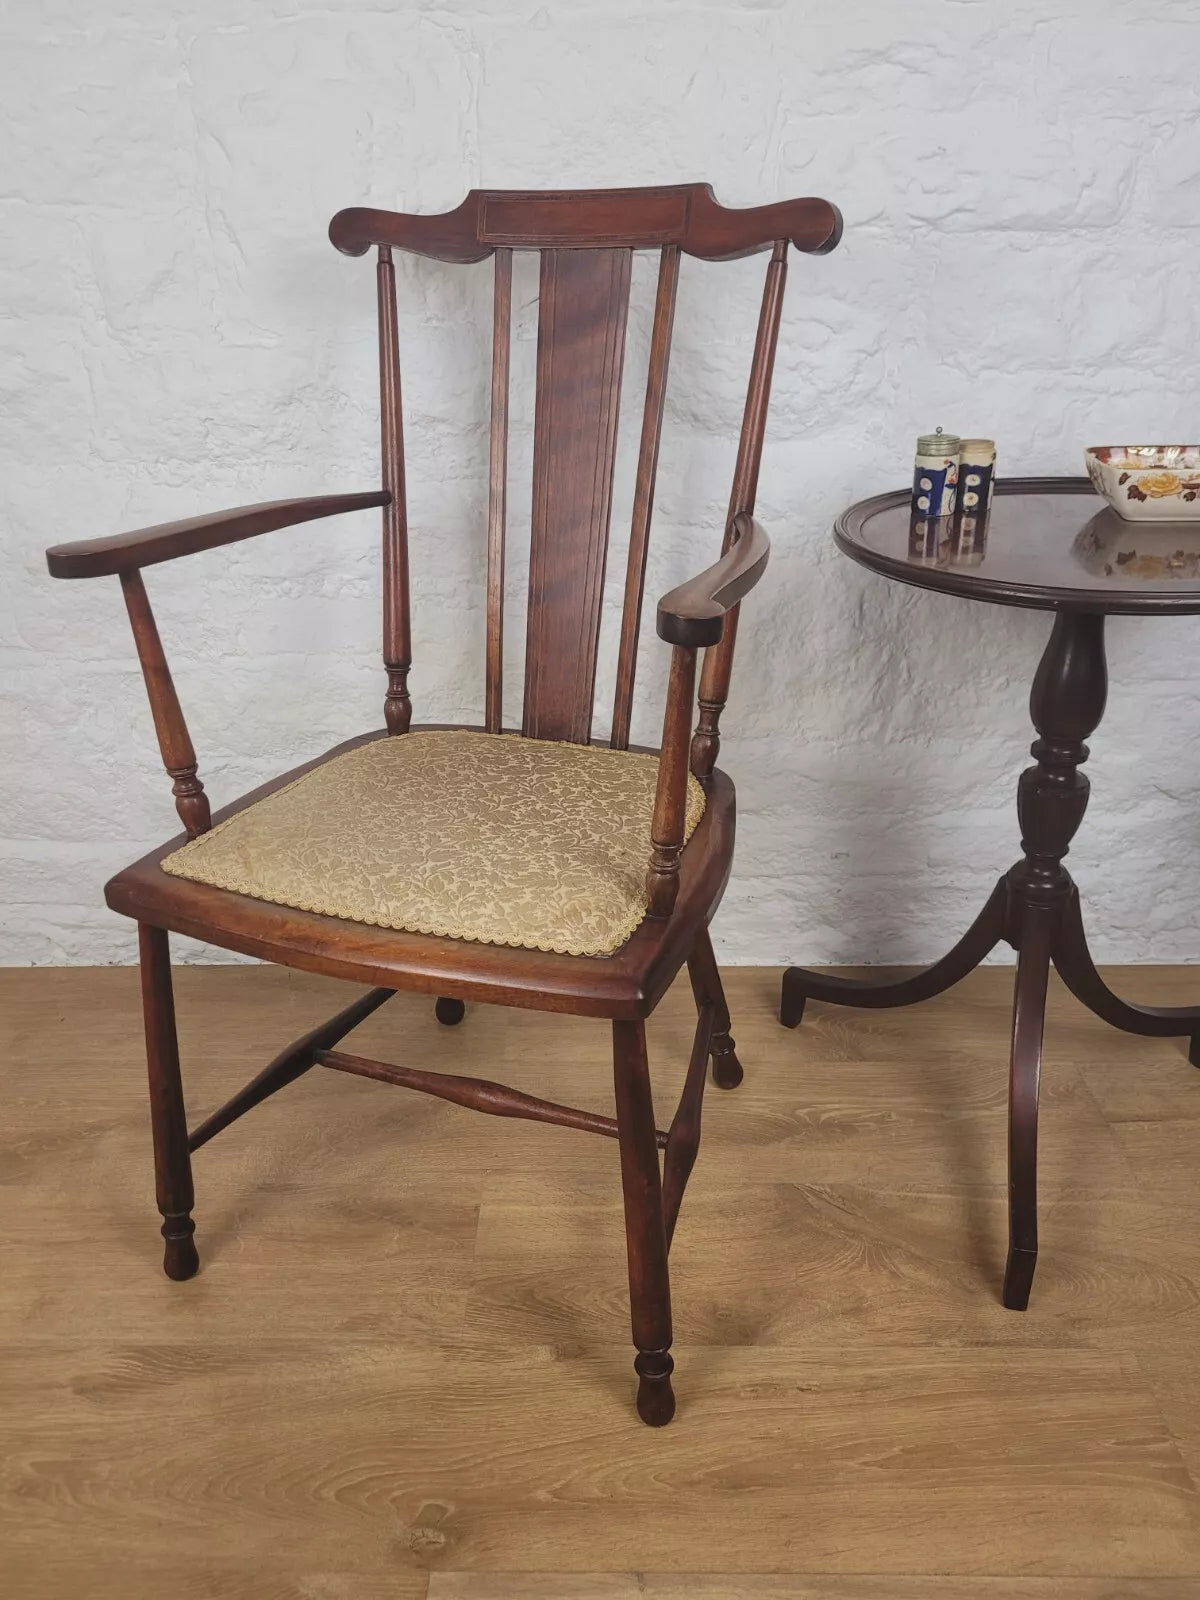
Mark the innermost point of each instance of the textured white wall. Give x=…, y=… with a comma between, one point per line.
x=1021, y=187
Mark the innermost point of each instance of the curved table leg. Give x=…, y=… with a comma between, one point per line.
x=989, y=927
x=1025, y=1070
x=1078, y=972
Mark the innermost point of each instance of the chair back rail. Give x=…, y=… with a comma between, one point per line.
x=585, y=239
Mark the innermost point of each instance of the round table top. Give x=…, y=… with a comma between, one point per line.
x=1048, y=543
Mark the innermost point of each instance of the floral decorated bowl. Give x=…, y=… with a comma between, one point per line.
x=1148, y=482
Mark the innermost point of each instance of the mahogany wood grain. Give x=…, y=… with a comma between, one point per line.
x=670, y=795
x=498, y=491
x=122, y=552
x=1035, y=907
x=1034, y=941
x=683, y=1138
x=629, y=983
x=581, y=346
x=708, y=990
x=1066, y=703
x=696, y=612
x=291, y=1063
x=168, y=1118
x=1074, y=965
x=801, y=985
x=645, y=1228
x=479, y=1094
x=643, y=494
x=397, y=641
x=586, y=239
x=685, y=215
x=174, y=741
x=718, y=659
x=1049, y=544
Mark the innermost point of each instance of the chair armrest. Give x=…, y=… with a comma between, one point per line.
x=124, y=552
x=694, y=613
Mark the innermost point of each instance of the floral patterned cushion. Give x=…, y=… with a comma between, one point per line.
x=488, y=837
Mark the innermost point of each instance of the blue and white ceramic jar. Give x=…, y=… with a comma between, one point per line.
x=935, y=474
x=976, y=476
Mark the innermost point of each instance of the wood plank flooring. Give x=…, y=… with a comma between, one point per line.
x=404, y=1370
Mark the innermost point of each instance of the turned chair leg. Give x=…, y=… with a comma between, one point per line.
x=645, y=1235
x=449, y=1012
x=708, y=990
x=172, y=1164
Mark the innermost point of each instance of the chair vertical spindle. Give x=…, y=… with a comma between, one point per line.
x=643, y=497
x=397, y=641
x=670, y=797
x=718, y=659
x=174, y=741
x=498, y=491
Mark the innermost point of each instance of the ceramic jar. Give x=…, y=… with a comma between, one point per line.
x=976, y=476
x=935, y=474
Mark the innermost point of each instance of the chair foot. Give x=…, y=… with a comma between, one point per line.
x=181, y=1259
x=726, y=1068
x=1194, y=1050
x=449, y=1012
x=655, y=1396
x=707, y=989
x=168, y=1119
x=1018, y=1278
x=645, y=1225
x=792, y=1001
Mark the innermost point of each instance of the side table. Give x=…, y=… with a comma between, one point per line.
x=1049, y=544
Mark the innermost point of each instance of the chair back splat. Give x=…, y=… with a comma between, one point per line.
x=585, y=239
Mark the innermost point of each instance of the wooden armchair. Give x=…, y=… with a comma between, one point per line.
x=536, y=870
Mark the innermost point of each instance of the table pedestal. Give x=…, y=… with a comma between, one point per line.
x=1035, y=908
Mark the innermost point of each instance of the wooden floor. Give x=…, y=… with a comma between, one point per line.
x=404, y=1370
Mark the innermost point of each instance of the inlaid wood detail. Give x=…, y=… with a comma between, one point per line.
x=581, y=345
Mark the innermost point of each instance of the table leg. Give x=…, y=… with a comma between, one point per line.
x=1066, y=703
x=989, y=927
x=1077, y=970
x=1034, y=938
x=1036, y=908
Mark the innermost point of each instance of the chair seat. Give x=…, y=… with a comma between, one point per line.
x=490, y=838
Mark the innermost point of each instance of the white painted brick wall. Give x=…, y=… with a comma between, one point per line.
x=1021, y=186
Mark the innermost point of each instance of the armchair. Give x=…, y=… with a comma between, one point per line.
x=533, y=867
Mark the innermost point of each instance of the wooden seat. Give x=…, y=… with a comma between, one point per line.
x=585, y=240
x=628, y=984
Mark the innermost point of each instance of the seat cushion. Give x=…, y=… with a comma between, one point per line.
x=488, y=837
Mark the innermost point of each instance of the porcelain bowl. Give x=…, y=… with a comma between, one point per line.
x=1148, y=482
